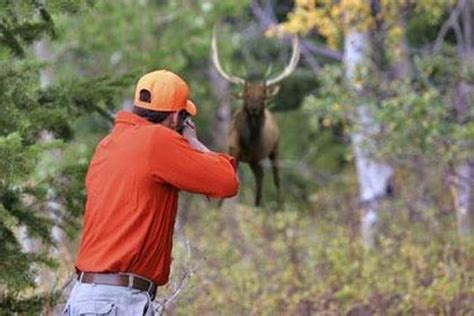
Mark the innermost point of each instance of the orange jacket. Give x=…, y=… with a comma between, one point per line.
x=132, y=192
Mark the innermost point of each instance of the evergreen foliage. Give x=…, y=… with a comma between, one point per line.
x=30, y=116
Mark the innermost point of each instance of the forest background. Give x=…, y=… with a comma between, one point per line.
x=376, y=151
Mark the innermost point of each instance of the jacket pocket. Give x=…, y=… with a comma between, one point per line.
x=91, y=308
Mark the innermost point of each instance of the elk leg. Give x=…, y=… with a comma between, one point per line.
x=276, y=176
x=257, y=170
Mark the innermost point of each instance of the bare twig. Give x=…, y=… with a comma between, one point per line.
x=105, y=114
x=450, y=22
x=169, y=301
x=467, y=26
x=266, y=17
x=68, y=282
x=161, y=304
x=164, y=19
x=459, y=38
x=323, y=51
x=308, y=57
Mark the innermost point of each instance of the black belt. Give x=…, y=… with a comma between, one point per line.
x=120, y=279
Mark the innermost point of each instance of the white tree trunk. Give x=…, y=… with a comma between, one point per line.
x=373, y=176
x=463, y=197
x=46, y=279
x=41, y=52
x=463, y=97
x=220, y=126
x=463, y=173
x=220, y=88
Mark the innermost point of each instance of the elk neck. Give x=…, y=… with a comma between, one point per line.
x=254, y=123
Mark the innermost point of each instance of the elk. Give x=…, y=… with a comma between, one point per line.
x=253, y=132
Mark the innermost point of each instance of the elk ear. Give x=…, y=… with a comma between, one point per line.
x=272, y=90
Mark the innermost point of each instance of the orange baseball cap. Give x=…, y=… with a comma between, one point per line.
x=167, y=91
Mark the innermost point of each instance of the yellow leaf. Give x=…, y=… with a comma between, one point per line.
x=326, y=122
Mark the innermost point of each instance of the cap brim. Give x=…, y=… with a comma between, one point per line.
x=191, y=108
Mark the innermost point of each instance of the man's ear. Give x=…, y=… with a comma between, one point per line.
x=272, y=90
x=172, y=120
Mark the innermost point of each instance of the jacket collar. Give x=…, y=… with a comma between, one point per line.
x=130, y=118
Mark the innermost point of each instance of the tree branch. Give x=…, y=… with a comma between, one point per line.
x=169, y=301
x=468, y=27
x=105, y=114
x=266, y=17
x=452, y=20
x=308, y=57
x=459, y=38
x=323, y=51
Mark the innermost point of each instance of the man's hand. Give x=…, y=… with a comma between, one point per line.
x=189, y=132
x=189, y=129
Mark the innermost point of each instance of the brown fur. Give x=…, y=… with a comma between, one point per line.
x=254, y=134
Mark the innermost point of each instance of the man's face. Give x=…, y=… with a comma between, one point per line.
x=182, y=117
x=176, y=121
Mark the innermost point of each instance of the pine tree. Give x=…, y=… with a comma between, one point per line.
x=28, y=111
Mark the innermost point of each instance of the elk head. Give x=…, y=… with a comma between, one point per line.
x=253, y=133
x=254, y=95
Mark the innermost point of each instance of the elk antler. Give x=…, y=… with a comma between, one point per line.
x=291, y=66
x=217, y=64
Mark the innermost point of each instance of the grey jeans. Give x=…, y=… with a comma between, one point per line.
x=98, y=299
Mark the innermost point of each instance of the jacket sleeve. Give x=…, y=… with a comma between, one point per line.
x=175, y=162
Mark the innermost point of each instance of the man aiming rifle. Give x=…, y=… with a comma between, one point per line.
x=132, y=188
